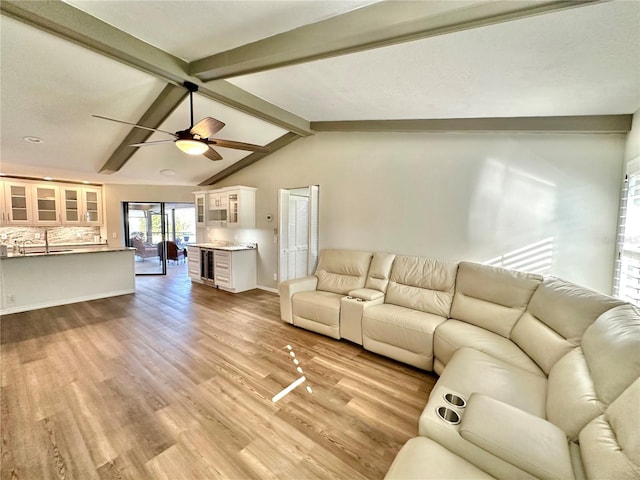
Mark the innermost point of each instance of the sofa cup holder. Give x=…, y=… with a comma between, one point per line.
x=455, y=400
x=448, y=415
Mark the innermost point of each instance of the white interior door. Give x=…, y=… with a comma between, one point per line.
x=298, y=236
x=298, y=232
x=283, y=235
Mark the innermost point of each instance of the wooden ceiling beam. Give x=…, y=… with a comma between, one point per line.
x=70, y=23
x=170, y=97
x=374, y=26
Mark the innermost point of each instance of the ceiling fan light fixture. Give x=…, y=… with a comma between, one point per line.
x=192, y=147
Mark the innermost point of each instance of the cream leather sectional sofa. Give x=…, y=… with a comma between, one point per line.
x=539, y=378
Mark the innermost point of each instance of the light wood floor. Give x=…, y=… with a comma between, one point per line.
x=176, y=381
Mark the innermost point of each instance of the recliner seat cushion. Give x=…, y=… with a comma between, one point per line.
x=423, y=459
x=472, y=371
x=321, y=308
x=387, y=326
x=452, y=335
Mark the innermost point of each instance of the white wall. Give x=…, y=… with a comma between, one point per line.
x=455, y=196
x=632, y=148
x=114, y=195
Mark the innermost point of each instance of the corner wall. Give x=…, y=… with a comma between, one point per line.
x=452, y=196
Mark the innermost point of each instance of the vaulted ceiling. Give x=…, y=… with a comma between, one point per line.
x=276, y=71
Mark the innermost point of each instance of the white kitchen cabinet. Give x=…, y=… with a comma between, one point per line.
x=235, y=271
x=46, y=207
x=92, y=206
x=242, y=208
x=18, y=203
x=52, y=203
x=81, y=205
x=217, y=208
x=200, y=201
x=193, y=257
x=218, y=199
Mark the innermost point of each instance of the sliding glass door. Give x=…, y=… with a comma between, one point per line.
x=145, y=230
x=152, y=227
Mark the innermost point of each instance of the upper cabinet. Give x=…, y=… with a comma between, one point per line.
x=233, y=207
x=46, y=209
x=30, y=203
x=18, y=203
x=200, y=200
x=242, y=208
x=81, y=205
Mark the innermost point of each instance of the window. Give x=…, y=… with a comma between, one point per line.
x=627, y=278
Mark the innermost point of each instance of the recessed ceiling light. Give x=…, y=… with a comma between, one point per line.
x=167, y=172
x=33, y=140
x=48, y=178
x=85, y=181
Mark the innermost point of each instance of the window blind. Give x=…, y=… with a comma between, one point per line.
x=627, y=272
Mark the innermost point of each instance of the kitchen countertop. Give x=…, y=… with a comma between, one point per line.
x=62, y=250
x=215, y=246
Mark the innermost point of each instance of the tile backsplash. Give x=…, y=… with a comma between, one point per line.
x=57, y=235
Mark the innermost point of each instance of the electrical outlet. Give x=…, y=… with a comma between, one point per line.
x=275, y=276
x=37, y=235
x=11, y=298
x=114, y=235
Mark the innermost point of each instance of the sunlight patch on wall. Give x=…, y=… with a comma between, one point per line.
x=535, y=258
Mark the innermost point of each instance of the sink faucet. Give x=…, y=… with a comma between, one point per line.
x=28, y=240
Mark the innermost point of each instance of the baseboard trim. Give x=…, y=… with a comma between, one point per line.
x=64, y=301
x=268, y=289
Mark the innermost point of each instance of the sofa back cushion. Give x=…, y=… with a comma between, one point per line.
x=583, y=382
x=610, y=444
x=422, y=284
x=380, y=271
x=557, y=316
x=612, y=349
x=340, y=271
x=490, y=297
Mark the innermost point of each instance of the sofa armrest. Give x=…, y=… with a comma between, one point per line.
x=366, y=294
x=528, y=442
x=288, y=289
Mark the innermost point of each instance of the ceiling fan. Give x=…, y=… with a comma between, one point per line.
x=197, y=139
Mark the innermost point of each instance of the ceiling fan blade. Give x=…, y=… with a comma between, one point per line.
x=207, y=127
x=151, y=143
x=133, y=124
x=238, y=145
x=211, y=154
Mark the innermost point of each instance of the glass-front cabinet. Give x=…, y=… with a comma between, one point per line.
x=92, y=200
x=47, y=205
x=200, y=209
x=31, y=203
x=232, y=219
x=71, y=205
x=18, y=203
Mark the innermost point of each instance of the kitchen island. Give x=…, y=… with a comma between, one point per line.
x=39, y=279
